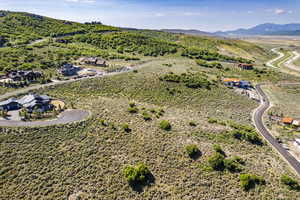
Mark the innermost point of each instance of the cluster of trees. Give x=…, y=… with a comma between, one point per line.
x=209, y=64
x=247, y=133
x=210, y=55
x=21, y=28
x=191, y=80
x=219, y=161
x=128, y=42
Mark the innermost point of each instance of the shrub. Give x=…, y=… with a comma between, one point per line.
x=216, y=161
x=136, y=174
x=232, y=165
x=133, y=110
x=212, y=120
x=192, y=123
x=248, y=181
x=218, y=149
x=164, y=124
x=146, y=116
x=192, y=150
x=291, y=183
x=103, y=122
x=126, y=128
x=132, y=104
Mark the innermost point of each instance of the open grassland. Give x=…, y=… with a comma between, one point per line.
x=285, y=99
x=87, y=159
x=285, y=102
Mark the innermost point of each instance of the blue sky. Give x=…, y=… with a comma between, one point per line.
x=206, y=15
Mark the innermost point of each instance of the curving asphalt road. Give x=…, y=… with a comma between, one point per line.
x=281, y=55
x=65, y=117
x=290, y=62
x=258, y=121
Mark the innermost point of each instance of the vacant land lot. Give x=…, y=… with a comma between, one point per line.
x=87, y=159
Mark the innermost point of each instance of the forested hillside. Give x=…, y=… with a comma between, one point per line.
x=20, y=34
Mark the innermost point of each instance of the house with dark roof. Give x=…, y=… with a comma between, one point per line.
x=69, y=70
x=30, y=102
x=33, y=102
x=246, y=66
x=10, y=104
x=21, y=75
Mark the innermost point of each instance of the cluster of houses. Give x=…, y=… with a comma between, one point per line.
x=291, y=121
x=31, y=102
x=235, y=82
x=69, y=69
x=20, y=75
x=92, y=61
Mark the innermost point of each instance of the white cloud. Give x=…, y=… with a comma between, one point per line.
x=280, y=11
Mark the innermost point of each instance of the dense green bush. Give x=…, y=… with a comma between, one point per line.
x=164, y=124
x=136, y=174
x=209, y=64
x=247, y=133
x=133, y=110
x=146, y=116
x=248, y=181
x=290, y=182
x=191, y=80
x=233, y=164
x=192, y=123
x=216, y=161
x=126, y=128
x=218, y=149
x=192, y=150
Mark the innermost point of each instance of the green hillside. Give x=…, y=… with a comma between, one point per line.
x=19, y=28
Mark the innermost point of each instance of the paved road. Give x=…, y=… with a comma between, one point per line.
x=65, y=117
x=290, y=62
x=258, y=121
x=280, y=55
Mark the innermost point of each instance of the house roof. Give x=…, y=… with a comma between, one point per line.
x=296, y=122
x=8, y=101
x=287, y=120
x=32, y=99
x=231, y=80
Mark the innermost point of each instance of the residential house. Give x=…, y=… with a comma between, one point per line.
x=21, y=75
x=287, y=120
x=69, y=70
x=231, y=81
x=10, y=104
x=296, y=122
x=234, y=82
x=246, y=66
x=33, y=102
x=93, y=61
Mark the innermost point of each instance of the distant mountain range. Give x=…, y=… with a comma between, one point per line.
x=264, y=29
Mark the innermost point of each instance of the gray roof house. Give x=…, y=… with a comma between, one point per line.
x=30, y=102
x=34, y=101
x=10, y=104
